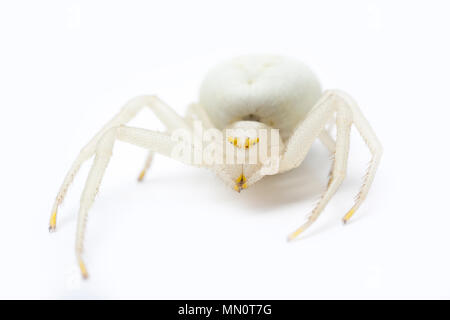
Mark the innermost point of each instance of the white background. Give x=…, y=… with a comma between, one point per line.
x=66, y=67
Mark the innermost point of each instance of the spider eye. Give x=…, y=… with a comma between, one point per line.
x=247, y=144
x=233, y=141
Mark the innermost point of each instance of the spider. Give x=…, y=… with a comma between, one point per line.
x=239, y=98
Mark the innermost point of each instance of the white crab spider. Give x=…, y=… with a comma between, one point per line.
x=247, y=92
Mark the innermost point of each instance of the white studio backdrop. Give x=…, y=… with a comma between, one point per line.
x=66, y=67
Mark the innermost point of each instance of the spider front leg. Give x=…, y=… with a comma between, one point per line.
x=339, y=168
x=164, y=113
x=154, y=141
x=372, y=143
x=346, y=113
x=196, y=112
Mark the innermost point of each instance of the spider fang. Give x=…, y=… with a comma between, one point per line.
x=241, y=183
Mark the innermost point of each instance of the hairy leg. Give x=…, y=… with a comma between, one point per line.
x=194, y=113
x=300, y=142
x=339, y=167
x=307, y=132
x=374, y=145
x=166, y=114
x=154, y=141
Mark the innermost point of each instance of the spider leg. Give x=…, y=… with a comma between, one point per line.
x=154, y=141
x=339, y=167
x=312, y=127
x=328, y=141
x=374, y=145
x=194, y=112
x=166, y=114
x=347, y=113
x=147, y=164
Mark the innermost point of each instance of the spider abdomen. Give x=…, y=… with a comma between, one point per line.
x=277, y=91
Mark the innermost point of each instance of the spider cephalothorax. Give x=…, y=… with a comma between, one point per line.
x=265, y=112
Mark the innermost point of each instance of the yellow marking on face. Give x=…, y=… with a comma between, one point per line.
x=349, y=215
x=53, y=221
x=236, y=188
x=247, y=143
x=244, y=186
